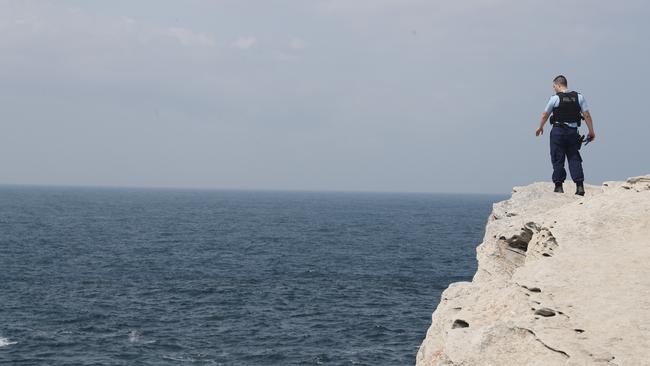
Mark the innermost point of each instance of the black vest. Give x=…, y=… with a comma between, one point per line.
x=568, y=110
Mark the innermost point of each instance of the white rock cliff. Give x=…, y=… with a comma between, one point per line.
x=561, y=280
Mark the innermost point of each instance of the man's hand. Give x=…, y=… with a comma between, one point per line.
x=590, y=125
x=591, y=135
x=542, y=121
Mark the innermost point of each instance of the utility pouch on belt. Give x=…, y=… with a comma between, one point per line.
x=581, y=139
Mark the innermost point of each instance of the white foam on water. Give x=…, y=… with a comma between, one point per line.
x=4, y=342
x=134, y=336
x=178, y=358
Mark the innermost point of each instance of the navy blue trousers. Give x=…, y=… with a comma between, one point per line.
x=565, y=144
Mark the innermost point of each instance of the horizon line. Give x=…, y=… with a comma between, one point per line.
x=287, y=190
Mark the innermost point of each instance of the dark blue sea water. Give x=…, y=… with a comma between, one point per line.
x=92, y=276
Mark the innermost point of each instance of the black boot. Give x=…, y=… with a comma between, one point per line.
x=580, y=189
x=558, y=187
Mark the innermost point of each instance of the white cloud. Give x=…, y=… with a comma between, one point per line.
x=128, y=20
x=188, y=37
x=297, y=43
x=374, y=7
x=245, y=43
x=31, y=23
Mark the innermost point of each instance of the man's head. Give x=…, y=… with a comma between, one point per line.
x=559, y=83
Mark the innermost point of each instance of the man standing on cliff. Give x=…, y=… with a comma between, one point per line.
x=566, y=109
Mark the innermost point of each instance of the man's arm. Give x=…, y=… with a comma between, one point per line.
x=542, y=122
x=547, y=112
x=590, y=125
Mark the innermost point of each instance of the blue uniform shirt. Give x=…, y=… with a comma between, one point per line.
x=555, y=101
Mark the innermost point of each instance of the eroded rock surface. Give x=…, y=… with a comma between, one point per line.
x=562, y=280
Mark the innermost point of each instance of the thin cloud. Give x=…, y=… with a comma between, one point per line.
x=297, y=43
x=29, y=23
x=188, y=37
x=245, y=43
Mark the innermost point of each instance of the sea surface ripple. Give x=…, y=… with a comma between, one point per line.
x=94, y=276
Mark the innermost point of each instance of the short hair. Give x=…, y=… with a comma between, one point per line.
x=560, y=79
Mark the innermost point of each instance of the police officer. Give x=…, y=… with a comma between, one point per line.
x=566, y=109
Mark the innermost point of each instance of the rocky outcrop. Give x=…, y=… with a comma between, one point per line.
x=561, y=280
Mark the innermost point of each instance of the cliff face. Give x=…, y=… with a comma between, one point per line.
x=561, y=280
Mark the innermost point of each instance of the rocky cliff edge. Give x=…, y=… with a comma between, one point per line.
x=561, y=280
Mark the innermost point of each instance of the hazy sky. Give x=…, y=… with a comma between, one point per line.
x=378, y=95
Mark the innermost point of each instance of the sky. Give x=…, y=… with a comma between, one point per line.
x=343, y=95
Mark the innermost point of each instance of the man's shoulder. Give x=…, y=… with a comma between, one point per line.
x=580, y=95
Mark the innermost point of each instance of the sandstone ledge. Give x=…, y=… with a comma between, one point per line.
x=561, y=280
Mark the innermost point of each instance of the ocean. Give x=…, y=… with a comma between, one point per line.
x=117, y=276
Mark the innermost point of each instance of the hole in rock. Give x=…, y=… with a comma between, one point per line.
x=545, y=312
x=532, y=289
x=459, y=323
x=521, y=241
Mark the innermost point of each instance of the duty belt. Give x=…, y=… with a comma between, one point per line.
x=563, y=125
